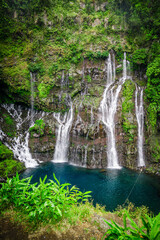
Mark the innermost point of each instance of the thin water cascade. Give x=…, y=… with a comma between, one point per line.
x=140, y=122
x=108, y=108
x=62, y=79
x=19, y=144
x=124, y=66
x=92, y=116
x=85, y=156
x=93, y=154
x=62, y=142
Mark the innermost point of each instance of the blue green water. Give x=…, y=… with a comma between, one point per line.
x=109, y=188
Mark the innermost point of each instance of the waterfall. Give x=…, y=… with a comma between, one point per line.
x=140, y=121
x=108, y=108
x=62, y=142
x=62, y=79
x=92, y=116
x=32, y=75
x=19, y=144
x=93, y=154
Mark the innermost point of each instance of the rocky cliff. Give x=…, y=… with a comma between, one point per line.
x=59, y=56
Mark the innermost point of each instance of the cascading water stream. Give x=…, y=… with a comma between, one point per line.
x=19, y=144
x=92, y=116
x=108, y=108
x=85, y=156
x=140, y=122
x=62, y=142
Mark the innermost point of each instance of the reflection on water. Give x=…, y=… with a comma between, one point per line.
x=110, y=188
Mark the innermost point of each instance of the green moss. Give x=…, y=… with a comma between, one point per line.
x=96, y=91
x=36, y=67
x=8, y=119
x=152, y=92
x=152, y=116
x=38, y=127
x=9, y=125
x=155, y=148
x=10, y=167
x=127, y=109
x=89, y=79
x=96, y=55
x=119, y=69
x=44, y=88
x=129, y=129
x=128, y=90
x=5, y=152
x=77, y=89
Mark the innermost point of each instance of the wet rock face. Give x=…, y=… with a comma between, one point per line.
x=42, y=148
x=84, y=87
x=42, y=144
x=88, y=140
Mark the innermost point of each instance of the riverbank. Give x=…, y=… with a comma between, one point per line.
x=86, y=223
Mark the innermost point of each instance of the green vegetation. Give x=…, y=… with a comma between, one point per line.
x=96, y=55
x=47, y=38
x=89, y=79
x=51, y=206
x=9, y=125
x=153, y=91
x=139, y=57
x=5, y=152
x=8, y=166
x=38, y=128
x=155, y=148
x=127, y=109
x=47, y=201
x=143, y=25
x=36, y=68
x=8, y=119
x=148, y=228
x=44, y=89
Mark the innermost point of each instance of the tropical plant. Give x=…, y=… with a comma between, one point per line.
x=41, y=202
x=149, y=229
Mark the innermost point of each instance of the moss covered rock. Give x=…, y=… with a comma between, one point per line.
x=8, y=165
x=5, y=152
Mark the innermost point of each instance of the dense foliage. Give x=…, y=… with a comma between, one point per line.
x=40, y=202
x=127, y=108
x=49, y=202
x=148, y=228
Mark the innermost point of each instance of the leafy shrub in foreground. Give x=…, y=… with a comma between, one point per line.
x=41, y=202
x=148, y=230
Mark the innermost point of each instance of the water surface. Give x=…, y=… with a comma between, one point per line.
x=109, y=188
